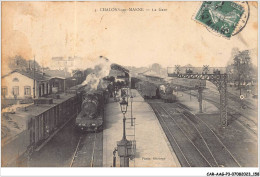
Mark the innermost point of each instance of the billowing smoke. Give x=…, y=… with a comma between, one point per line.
x=101, y=69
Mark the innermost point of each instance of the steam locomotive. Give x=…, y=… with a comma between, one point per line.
x=91, y=117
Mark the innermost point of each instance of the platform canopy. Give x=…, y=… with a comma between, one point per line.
x=119, y=68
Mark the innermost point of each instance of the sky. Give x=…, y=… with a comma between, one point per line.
x=54, y=29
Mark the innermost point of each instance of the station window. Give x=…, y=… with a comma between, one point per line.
x=15, y=79
x=4, y=91
x=16, y=90
x=27, y=90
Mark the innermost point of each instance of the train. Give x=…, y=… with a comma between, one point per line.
x=156, y=90
x=37, y=124
x=91, y=117
x=167, y=94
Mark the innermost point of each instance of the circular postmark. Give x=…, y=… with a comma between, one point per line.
x=241, y=23
x=244, y=18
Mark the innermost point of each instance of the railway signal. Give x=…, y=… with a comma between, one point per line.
x=205, y=69
x=219, y=80
x=200, y=88
x=177, y=68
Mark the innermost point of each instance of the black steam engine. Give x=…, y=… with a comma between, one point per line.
x=91, y=117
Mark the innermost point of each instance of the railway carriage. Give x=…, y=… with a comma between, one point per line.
x=43, y=123
x=156, y=89
x=147, y=89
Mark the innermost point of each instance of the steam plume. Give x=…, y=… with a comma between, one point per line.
x=101, y=69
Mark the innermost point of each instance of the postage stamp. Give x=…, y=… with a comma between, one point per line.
x=244, y=18
x=220, y=16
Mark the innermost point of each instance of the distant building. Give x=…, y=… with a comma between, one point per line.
x=78, y=76
x=59, y=80
x=18, y=84
x=62, y=63
x=58, y=73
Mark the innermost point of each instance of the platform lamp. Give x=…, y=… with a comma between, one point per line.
x=124, y=146
x=123, y=106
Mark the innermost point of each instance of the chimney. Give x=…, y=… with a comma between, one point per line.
x=29, y=65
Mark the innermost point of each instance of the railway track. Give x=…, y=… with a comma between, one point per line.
x=75, y=153
x=234, y=115
x=208, y=133
x=193, y=142
x=240, y=120
x=86, y=154
x=233, y=102
x=233, y=97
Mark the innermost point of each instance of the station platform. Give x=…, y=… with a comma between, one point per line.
x=152, y=146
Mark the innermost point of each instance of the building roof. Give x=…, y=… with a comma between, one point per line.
x=144, y=71
x=150, y=73
x=58, y=73
x=38, y=76
x=119, y=67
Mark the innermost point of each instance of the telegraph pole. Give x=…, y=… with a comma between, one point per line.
x=239, y=77
x=65, y=68
x=34, y=77
x=200, y=89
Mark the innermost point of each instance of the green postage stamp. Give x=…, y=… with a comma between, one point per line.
x=220, y=16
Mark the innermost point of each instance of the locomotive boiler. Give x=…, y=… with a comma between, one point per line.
x=90, y=118
x=167, y=95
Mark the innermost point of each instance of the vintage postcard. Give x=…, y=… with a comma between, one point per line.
x=129, y=84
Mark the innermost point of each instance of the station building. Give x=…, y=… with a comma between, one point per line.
x=19, y=84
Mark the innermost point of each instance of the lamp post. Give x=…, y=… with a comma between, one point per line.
x=124, y=146
x=131, y=98
x=123, y=106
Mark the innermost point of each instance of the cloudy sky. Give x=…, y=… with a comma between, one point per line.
x=51, y=29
